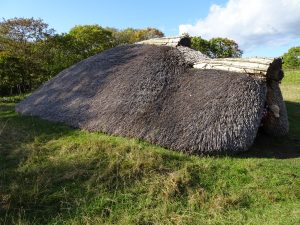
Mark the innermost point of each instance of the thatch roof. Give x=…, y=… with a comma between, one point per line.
x=151, y=92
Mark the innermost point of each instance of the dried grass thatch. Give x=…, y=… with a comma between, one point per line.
x=151, y=92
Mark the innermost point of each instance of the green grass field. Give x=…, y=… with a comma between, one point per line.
x=51, y=174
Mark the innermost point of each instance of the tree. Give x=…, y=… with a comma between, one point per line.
x=91, y=39
x=126, y=36
x=148, y=33
x=201, y=45
x=217, y=47
x=63, y=50
x=57, y=53
x=291, y=59
x=18, y=37
x=130, y=35
x=11, y=70
x=224, y=48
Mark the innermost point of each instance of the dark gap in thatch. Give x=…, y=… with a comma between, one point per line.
x=185, y=41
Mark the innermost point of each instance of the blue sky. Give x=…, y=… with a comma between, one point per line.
x=193, y=17
x=62, y=15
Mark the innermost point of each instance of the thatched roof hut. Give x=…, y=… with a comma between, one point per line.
x=151, y=91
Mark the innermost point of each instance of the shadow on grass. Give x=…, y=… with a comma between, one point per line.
x=19, y=193
x=270, y=147
x=280, y=148
x=42, y=180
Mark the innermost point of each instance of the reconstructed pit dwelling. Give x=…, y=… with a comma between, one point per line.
x=162, y=91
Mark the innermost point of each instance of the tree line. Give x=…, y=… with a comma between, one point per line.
x=291, y=59
x=32, y=53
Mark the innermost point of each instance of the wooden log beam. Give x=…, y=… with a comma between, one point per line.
x=251, y=66
x=168, y=41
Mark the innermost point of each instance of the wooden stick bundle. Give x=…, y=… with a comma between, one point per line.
x=257, y=66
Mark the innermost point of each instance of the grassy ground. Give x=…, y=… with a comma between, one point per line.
x=291, y=90
x=51, y=174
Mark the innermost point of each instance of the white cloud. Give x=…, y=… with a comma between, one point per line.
x=251, y=23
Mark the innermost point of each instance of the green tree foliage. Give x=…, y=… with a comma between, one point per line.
x=201, y=45
x=291, y=59
x=63, y=50
x=130, y=35
x=57, y=53
x=217, y=47
x=18, y=38
x=90, y=39
x=11, y=74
